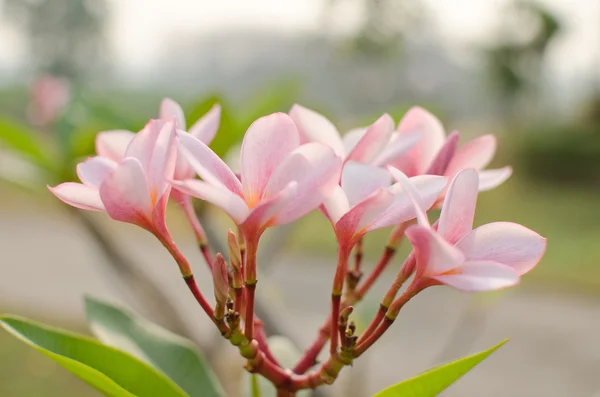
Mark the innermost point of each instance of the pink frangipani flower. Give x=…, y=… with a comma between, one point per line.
x=365, y=201
x=113, y=144
x=438, y=155
x=135, y=189
x=376, y=145
x=492, y=256
x=281, y=180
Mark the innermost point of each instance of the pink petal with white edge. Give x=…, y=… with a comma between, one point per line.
x=373, y=141
x=144, y=142
x=479, y=276
x=504, y=242
x=336, y=205
x=445, y=155
x=351, y=138
x=360, y=180
x=162, y=161
x=126, y=195
x=314, y=127
x=78, y=195
x=358, y=220
x=267, y=212
x=434, y=255
x=398, y=146
x=206, y=127
x=419, y=158
x=218, y=195
x=268, y=141
x=413, y=195
x=113, y=144
x=93, y=171
x=171, y=111
x=475, y=154
x=489, y=179
x=458, y=211
x=316, y=169
x=207, y=164
x=402, y=208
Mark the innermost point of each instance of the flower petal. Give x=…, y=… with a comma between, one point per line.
x=268, y=141
x=336, y=205
x=413, y=195
x=93, y=171
x=435, y=256
x=267, y=212
x=316, y=169
x=398, y=146
x=506, y=243
x=358, y=220
x=351, y=138
x=360, y=180
x=489, y=179
x=171, y=111
x=419, y=158
x=206, y=127
x=207, y=164
x=162, y=161
x=445, y=155
x=218, y=195
x=477, y=276
x=458, y=211
x=402, y=209
x=113, y=144
x=78, y=195
x=373, y=141
x=144, y=142
x=475, y=154
x=314, y=127
x=126, y=195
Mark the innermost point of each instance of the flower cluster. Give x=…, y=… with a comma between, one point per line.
x=291, y=164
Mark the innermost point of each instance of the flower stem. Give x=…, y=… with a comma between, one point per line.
x=250, y=286
x=310, y=355
x=188, y=209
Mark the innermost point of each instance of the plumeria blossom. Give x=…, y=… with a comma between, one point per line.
x=492, y=256
x=135, y=188
x=281, y=180
x=113, y=144
x=436, y=154
x=377, y=144
x=365, y=201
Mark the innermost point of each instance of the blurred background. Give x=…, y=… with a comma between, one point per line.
x=528, y=71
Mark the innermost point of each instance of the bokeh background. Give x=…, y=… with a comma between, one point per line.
x=528, y=71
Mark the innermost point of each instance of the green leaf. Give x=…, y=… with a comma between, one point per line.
x=169, y=353
x=109, y=370
x=434, y=381
x=24, y=141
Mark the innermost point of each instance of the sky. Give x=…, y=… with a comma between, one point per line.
x=138, y=28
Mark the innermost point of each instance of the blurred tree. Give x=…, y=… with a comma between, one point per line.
x=384, y=27
x=64, y=37
x=515, y=61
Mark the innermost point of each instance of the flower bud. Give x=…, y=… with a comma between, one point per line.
x=221, y=286
x=235, y=258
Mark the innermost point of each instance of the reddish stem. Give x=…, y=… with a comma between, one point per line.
x=191, y=283
x=310, y=355
x=249, y=317
x=261, y=338
x=358, y=255
x=368, y=342
x=373, y=326
x=335, y=314
x=188, y=208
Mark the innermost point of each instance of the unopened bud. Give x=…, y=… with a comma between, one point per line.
x=221, y=286
x=235, y=258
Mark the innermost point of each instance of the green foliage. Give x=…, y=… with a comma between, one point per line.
x=171, y=354
x=109, y=370
x=22, y=140
x=433, y=382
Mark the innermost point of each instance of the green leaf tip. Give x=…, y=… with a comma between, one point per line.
x=436, y=380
